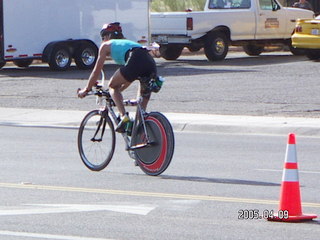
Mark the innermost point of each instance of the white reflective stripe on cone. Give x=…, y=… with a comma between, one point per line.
x=290, y=175
x=291, y=154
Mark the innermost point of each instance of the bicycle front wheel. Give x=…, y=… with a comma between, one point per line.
x=96, y=140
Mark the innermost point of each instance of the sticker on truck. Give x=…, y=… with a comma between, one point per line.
x=272, y=23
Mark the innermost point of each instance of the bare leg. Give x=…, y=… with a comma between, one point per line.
x=144, y=103
x=125, y=86
x=145, y=98
x=117, y=84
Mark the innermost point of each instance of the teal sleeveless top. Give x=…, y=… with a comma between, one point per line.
x=119, y=48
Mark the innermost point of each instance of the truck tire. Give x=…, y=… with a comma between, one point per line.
x=313, y=54
x=86, y=55
x=2, y=64
x=60, y=58
x=216, y=46
x=253, y=50
x=170, y=52
x=296, y=51
x=23, y=63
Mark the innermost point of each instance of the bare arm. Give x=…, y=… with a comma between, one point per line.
x=104, y=51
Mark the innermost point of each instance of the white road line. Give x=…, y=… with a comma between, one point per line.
x=47, y=236
x=160, y=195
x=28, y=209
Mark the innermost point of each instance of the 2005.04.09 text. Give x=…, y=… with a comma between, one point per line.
x=244, y=214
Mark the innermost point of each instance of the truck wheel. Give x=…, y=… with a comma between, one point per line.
x=216, y=46
x=86, y=56
x=23, y=63
x=253, y=50
x=170, y=52
x=313, y=54
x=296, y=51
x=2, y=64
x=60, y=58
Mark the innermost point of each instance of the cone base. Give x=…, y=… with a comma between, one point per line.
x=304, y=217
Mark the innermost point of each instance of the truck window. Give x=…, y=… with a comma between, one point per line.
x=269, y=5
x=229, y=4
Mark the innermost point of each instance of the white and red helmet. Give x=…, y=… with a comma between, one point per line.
x=111, y=28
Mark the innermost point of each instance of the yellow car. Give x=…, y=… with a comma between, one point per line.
x=307, y=36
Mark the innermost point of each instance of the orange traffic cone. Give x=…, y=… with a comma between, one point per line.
x=290, y=201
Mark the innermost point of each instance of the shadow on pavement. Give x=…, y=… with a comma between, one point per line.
x=180, y=67
x=219, y=180
x=241, y=61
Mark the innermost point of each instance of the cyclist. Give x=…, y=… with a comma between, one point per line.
x=135, y=60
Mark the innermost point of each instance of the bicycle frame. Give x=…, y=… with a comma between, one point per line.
x=140, y=116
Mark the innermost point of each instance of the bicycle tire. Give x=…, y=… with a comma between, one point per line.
x=155, y=159
x=96, y=154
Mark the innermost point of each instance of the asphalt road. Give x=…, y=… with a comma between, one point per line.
x=47, y=193
x=274, y=84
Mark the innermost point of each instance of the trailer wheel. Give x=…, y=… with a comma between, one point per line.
x=86, y=56
x=60, y=58
x=171, y=51
x=216, y=46
x=23, y=63
x=253, y=50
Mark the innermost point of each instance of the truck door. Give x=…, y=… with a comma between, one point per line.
x=271, y=22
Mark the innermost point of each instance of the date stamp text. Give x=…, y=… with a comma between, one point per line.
x=253, y=214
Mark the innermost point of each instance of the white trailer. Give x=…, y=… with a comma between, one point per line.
x=57, y=31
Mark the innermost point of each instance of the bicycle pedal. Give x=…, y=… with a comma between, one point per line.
x=138, y=146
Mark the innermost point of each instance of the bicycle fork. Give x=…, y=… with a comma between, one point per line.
x=102, y=122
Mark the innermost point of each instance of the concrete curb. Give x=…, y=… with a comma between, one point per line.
x=245, y=124
x=180, y=122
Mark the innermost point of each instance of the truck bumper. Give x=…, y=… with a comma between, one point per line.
x=168, y=39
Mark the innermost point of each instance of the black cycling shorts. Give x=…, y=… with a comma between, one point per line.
x=139, y=64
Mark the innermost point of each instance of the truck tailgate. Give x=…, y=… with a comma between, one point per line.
x=169, y=23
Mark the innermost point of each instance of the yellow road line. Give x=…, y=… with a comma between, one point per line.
x=146, y=194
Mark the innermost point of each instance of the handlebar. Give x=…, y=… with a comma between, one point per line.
x=100, y=92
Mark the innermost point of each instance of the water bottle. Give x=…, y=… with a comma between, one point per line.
x=129, y=127
x=159, y=81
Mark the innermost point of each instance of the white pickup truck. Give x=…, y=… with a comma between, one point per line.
x=252, y=24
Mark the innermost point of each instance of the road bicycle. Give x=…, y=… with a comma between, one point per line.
x=149, y=137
